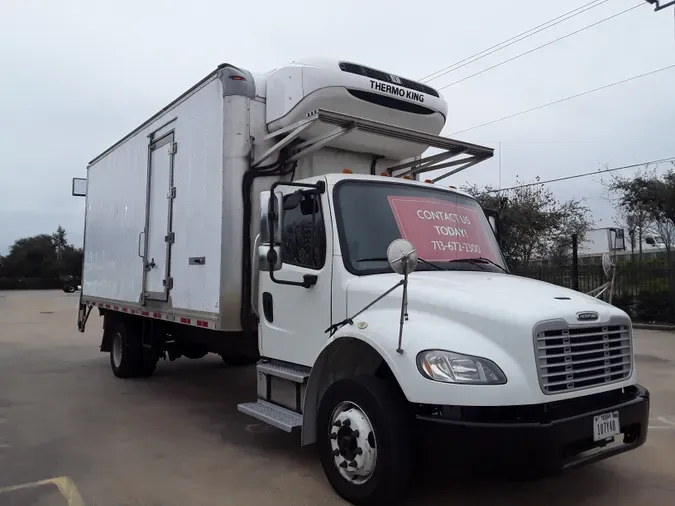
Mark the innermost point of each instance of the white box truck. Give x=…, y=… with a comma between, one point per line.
x=599, y=241
x=278, y=219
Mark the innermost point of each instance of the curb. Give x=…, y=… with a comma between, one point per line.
x=651, y=326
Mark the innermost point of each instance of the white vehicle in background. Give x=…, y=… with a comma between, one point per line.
x=603, y=240
x=617, y=242
x=275, y=219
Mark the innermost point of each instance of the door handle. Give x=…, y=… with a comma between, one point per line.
x=140, y=234
x=150, y=265
x=268, y=306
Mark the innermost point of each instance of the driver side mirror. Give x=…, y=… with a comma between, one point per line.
x=79, y=187
x=493, y=218
x=271, y=230
x=271, y=217
x=493, y=223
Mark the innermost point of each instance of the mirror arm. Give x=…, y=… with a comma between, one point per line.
x=350, y=320
x=309, y=280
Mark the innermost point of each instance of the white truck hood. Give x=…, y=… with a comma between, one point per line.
x=462, y=295
x=484, y=314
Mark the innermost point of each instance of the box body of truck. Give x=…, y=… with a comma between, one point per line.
x=163, y=190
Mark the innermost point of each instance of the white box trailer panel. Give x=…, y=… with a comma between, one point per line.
x=116, y=209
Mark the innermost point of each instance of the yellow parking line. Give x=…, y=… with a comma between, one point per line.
x=65, y=485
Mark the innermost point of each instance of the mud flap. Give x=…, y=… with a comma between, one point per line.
x=82, y=315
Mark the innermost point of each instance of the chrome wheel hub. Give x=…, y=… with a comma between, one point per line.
x=117, y=349
x=352, y=441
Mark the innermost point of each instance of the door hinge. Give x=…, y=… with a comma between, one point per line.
x=174, y=148
x=171, y=238
x=168, y=283
x=172, y=193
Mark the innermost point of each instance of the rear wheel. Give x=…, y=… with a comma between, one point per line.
x=128, y=358
x=364, y=439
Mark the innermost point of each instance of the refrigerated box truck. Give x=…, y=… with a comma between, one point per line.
x=278, y=218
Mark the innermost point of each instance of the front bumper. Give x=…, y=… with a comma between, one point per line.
x=549, y=437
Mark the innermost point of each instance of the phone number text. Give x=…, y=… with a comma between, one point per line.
x=456, y=246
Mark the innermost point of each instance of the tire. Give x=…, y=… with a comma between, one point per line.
x=385, y=459
x=69, y=289
x=128, y=358
x=239, y=360
x=149, y=363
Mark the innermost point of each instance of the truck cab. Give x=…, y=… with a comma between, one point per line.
x=487, y=358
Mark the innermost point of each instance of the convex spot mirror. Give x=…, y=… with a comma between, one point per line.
x=269, y=258
x=307, y=200
x=402, y=256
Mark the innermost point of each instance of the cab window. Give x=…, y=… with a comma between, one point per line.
x=304, y=239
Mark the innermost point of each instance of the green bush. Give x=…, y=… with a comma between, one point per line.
x=654, y=307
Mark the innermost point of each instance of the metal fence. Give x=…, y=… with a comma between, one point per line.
x=646, y=292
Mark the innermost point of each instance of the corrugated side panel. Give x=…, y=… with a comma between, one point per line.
x=116, y=209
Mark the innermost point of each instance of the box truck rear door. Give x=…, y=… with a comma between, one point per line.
x=157, y=282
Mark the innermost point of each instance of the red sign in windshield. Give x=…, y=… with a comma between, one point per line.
x=442, y=231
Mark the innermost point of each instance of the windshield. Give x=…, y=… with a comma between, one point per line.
x=445, y=227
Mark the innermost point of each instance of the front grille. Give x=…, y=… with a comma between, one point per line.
x=354, y=68
x=581, y=357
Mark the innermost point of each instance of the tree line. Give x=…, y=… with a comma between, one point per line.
x=534, y=224
x=646, y=201
x=41, y=261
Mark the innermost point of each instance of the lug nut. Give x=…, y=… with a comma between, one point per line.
x=359, y=451
x=333, y=435
x=337, y=423
x=356, y=433
x=336, y=452
x=343, y=464
x=347, y=422
x=352, y=463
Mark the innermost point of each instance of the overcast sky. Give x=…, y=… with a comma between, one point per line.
x=76, y=76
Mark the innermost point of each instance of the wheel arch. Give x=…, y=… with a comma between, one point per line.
x=110, y=320
x=345, y=357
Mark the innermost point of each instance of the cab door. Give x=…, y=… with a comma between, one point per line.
x=293, y=319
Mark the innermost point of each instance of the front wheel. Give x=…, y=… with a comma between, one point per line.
x=364, y=438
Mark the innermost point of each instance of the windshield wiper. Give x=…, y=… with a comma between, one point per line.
x=475, y=261
x=385, y=259
x=478, y=261
x=429, y=264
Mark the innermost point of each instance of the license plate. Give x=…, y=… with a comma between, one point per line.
x=606, y=426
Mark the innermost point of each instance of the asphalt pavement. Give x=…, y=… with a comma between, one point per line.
x=71, y=433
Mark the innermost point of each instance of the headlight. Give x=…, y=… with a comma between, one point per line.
x=449, y=367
